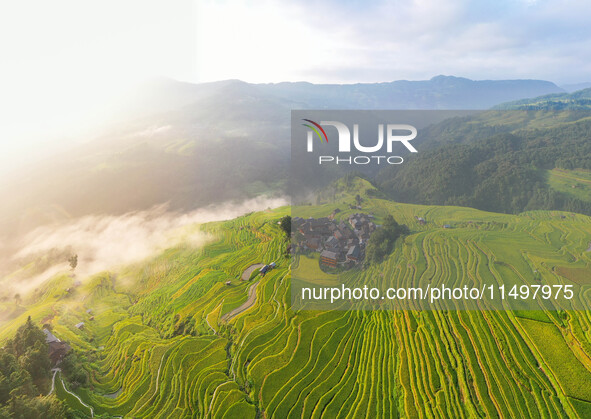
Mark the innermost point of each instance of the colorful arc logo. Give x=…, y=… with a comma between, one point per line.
x=313, y=128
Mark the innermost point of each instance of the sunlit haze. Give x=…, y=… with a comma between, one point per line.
x=67, y=64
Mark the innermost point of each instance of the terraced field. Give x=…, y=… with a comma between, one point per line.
x=575, y=183
x=157, y=339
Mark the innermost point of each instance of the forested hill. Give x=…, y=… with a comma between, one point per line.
x=505, y=170
x=555, y=101
x=195, y=144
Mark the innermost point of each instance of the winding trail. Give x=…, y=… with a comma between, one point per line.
x=55, y=371
x=252, y=293
x=248, y=271
x=252, y=298
x=79, y=399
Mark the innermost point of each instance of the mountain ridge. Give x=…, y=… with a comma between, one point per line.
x=243, y=128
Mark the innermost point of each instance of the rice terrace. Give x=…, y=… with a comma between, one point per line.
x=265, y=210
x=162, y=343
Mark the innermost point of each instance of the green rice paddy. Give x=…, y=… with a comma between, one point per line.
x=158, y=341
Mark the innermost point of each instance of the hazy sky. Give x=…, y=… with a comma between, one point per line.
x=61, y=61
x=368, y=41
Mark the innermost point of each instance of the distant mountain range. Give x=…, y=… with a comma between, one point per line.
x=195, y=144
x=440, y=92
x=576, y=86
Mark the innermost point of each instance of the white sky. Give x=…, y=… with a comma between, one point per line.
x=63, y=61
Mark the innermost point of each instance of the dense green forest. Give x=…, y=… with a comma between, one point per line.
x=493, y=166
x=25, y=377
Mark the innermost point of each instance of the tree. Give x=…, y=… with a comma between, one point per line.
x=28, y=336
x=73, y=370
x=24, y=374
x=381, y=242
x=358, y=199
x=17, y=299
x=36, y=361
x=73, y=260
x=37, y=407
x=285, y=224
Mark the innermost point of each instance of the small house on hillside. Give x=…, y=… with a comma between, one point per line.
x=313, y=243
x=57, y=348
x=332, y=242
x=50, y=337
x=57, y=351
x=328, y=258
x=353, y=253
x=267, y=268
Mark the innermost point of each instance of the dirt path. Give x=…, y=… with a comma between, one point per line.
x=248, y=271
x=79, y=399
x=55, y=371
x=252, y=298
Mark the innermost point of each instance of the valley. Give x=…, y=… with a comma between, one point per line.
x=160, y=338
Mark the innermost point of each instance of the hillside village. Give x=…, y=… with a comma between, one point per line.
x=339, y=243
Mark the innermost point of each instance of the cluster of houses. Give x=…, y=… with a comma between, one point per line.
x=267, y=268
x=338, y=242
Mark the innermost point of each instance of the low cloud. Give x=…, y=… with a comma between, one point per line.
x=103, y=242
